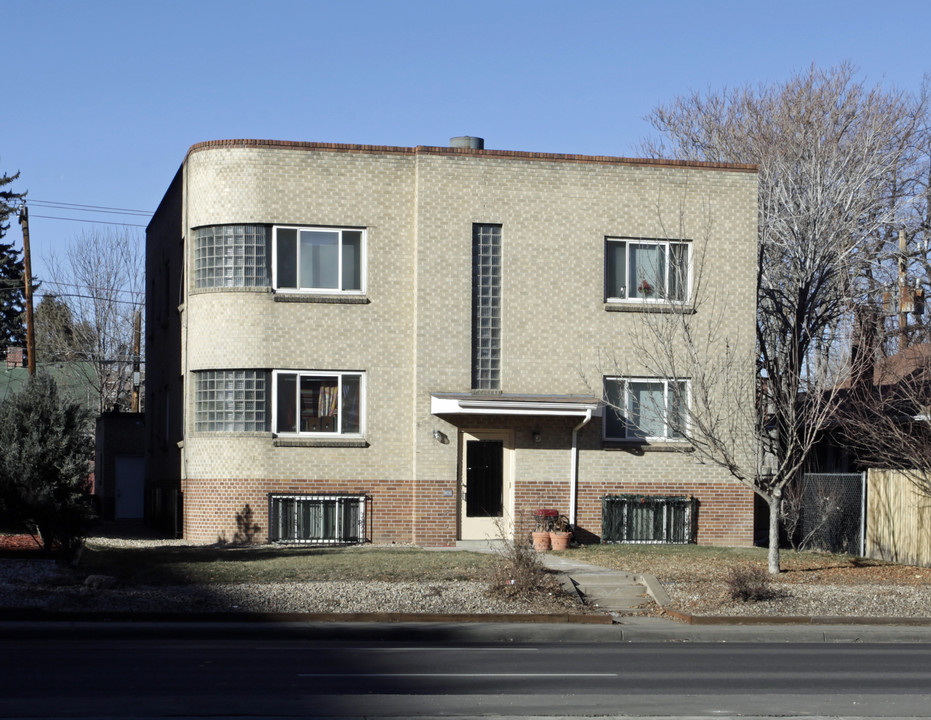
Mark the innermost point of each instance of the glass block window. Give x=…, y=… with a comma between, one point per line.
x=486, y=307
x=231, y=401
x=232, y=256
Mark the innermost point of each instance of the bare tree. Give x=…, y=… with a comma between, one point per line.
x=100, y=280
x=829, y=149
x=886, y=420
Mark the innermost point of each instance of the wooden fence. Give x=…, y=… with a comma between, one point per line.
x=898, y=526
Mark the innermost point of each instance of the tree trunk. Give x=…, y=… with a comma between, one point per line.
x=773, y=558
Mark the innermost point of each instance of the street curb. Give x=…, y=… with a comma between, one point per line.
x=40, y=615
x=802, y=620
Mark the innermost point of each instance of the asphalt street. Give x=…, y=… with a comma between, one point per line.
x=247, y=673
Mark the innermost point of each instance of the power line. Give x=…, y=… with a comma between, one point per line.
x=56, y=203
x=93, y=222
x=99, y=288
x=134, y=303
x=79, y=209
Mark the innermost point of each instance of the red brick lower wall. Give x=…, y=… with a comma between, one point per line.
x=220, y=510
x=725, y=509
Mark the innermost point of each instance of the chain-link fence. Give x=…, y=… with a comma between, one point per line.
x=826, y=511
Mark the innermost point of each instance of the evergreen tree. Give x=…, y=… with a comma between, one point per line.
x=12, y=272
x=45, y=460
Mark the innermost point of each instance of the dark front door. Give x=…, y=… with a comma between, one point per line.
x=484, y=485
x=484, y=478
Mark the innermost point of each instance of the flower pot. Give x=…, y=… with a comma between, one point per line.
x=560, y=540
x=541, y=541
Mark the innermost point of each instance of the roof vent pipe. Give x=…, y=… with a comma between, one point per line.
x=467, y=141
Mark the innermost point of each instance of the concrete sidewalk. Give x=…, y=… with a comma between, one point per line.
x=629, y=598
x=619, y=593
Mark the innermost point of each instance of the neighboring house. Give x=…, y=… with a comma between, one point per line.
x=70, y=377
x=392, y=344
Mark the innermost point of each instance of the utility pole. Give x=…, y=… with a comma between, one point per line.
x=27, y=267
x=137, y=347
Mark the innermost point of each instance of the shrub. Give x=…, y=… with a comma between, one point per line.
x=749, y=583
x=45, y=454
x=517, y=572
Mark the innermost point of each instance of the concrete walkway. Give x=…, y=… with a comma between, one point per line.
x=622, y=594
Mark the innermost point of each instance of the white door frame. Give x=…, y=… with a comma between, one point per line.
x=488, y=528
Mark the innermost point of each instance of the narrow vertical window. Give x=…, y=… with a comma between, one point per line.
x=486, y=307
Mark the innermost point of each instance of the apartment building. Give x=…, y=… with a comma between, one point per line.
x=354, y=343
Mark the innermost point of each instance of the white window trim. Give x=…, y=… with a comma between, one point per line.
x=319, y=374
x=363, y=258
x=625, y=410
x=647, y=241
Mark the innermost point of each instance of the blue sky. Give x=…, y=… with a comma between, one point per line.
x=102, y=99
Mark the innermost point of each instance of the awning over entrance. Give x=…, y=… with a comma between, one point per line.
x=515, y=404
x=584, y=407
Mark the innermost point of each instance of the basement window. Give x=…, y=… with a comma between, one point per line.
x=317, y=519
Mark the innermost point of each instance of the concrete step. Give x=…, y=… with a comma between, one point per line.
x=480, y=545
x=616, y=592
x=619, y=593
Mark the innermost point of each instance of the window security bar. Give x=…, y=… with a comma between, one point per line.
x=648, y=519
x=317, y=519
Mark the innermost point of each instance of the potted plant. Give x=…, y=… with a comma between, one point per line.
x=541, y=533
x=560, y=535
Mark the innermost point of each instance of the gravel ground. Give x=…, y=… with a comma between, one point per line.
x=855, y=588
x=793, y=599
x=810, y=585
x=43, y=584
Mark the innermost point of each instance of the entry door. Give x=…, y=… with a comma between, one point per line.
x=485, y=486
x=130, y=486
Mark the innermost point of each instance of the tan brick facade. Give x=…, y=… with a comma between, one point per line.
x=410, y=332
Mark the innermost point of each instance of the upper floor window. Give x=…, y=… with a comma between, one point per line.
x=319, y=259
x=645, y=408
x=231, y=401
x=312, y=403
x=231, y=256
x=646, y=270
x=486, y=307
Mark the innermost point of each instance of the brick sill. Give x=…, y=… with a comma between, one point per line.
x=321, y=442
x=314, y=298
x=648, y=308
x=639, y=448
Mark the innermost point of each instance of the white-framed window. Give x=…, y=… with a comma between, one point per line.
x=318, y=259
x=645, y=408
x=646, y=270
x=310, y=402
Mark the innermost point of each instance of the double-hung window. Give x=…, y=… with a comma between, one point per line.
x=318, y=403
x=645, y=408
x=330, y=260
x=646, y=270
